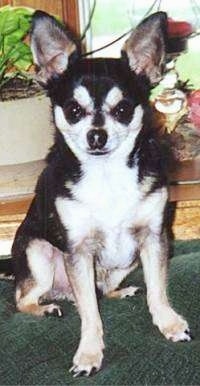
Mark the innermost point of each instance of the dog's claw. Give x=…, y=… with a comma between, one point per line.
x=129, y=292
x=53, y=310
x=78, y=372
x=180, y=336
x=187, y=332
x=57, y=312
x=75, y=371
x=187, y=337
x=136, y=291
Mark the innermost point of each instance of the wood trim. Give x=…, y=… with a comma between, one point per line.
x=20, y=205
x=15, y=205
x=186, y=171
x=184, y=192
x=70, y=12
x=185, y=181
x=4, y=2
x=20, y=179
x=51, y=6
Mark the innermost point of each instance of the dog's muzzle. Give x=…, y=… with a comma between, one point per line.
x=97, y=139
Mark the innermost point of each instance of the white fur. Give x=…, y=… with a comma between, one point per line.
x=121, y=138
x=74, y=137
x=108, y=199
x=40, y=254
x=82, y=96
x=113, y=97
x=34, y=52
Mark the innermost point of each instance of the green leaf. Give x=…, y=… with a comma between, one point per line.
x=5, y=8
x=21, y=56
x=12, y=39
x=24, y=63
x=15, y=55
x=2, y=69
x=20, y=50
x=9, y=22
x=24, y=24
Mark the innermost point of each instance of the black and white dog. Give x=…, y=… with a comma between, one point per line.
x=100, y=201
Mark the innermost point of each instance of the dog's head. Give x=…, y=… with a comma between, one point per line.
x=98, y=104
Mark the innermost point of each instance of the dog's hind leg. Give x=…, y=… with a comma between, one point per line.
x=109, y=282
x=41, y=262
x=122, y=293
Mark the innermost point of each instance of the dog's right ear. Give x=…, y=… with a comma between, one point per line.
x=52, y=46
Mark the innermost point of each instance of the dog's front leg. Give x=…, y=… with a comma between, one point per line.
x=80, y=269
x=154, y=260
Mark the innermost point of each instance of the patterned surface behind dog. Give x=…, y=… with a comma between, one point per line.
x=39, y=351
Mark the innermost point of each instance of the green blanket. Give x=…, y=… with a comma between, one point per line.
x=39, y=351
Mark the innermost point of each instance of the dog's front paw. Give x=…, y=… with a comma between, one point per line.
x=52, y=310
x=178, y=331
x=173, y=326
x=87, y=360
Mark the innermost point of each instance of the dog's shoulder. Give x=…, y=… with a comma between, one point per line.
x=61, y=166
x=153, y=155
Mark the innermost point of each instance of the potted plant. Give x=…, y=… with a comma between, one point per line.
x=25, y=128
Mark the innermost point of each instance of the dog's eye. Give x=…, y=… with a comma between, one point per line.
x=123, y=111
x=74, y=112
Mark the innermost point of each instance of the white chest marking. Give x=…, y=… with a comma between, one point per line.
x=107, y=199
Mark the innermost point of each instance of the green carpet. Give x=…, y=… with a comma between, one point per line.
x=39, y=351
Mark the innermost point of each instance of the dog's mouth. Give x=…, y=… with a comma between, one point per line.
x=97, y=152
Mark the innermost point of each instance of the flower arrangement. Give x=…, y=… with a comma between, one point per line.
x=194, y=108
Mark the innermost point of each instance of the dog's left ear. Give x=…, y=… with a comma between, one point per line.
x=52, y=46
x=145, y=48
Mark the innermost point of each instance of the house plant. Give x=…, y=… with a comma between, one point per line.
x=15, y=53
x=25, y=131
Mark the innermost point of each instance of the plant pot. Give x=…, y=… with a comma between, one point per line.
x=26, y=129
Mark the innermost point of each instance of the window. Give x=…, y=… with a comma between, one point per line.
x=113, y=18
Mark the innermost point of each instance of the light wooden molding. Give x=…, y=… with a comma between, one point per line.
x=67, y=10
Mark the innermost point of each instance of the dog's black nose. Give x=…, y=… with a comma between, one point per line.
x=97, y=138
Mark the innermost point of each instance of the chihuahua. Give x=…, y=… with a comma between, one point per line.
x=99, y=204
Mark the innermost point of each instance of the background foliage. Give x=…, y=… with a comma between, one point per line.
x=15, y=53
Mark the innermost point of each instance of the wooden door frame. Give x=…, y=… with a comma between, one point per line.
x=70, y=11
x=71, y=15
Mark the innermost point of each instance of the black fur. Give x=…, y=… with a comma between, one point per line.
x=98, y=76
x=153, y=156
x=42, y=221
x=117, y=127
